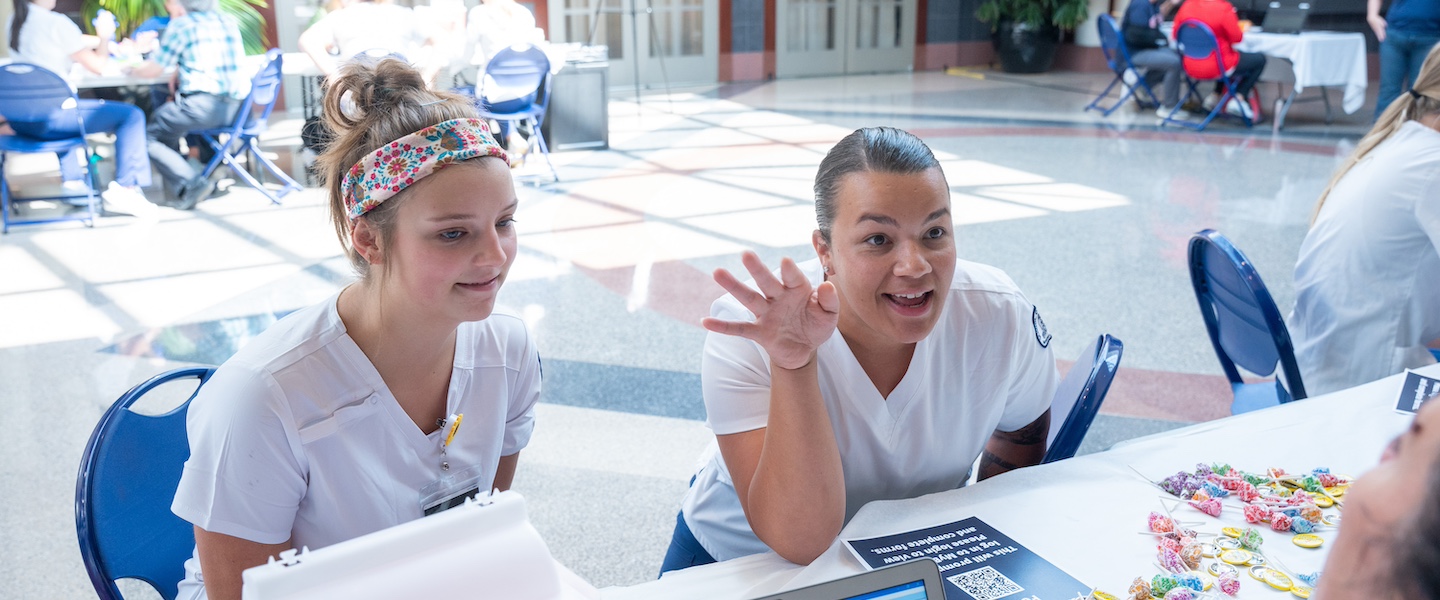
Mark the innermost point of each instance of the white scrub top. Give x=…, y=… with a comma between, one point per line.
x=1368, y=279
x=47, y=38
x=985, y=367
x=297, y=438
x=365, y=25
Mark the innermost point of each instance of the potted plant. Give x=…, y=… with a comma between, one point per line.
x=1026, y=33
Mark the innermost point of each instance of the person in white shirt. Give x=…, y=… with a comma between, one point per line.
x=403, y=394
x=1367, y=282
x=41, y=36
x=880, y=370
x=361, y=26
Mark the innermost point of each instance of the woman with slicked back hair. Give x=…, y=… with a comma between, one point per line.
x=1367, y=282
x=878, y=370
x=401, y=395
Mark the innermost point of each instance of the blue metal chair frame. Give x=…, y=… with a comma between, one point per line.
x=1244, y=324
x=128, y=475
x=1118, y=57
x=1198, y=42
x=30, y=93
x=1080, y=393
x=520, y=69
x=244, y=133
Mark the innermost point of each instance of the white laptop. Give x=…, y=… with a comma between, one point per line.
x=1285, y=18
x=485, y=547
x=913, y=580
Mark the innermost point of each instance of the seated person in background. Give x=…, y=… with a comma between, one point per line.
x=492, y=26
x=147, y=35
x=1367, y=284
x=205, y=47
x=881, y=370
x=1150, y=50
x=362, y=25
x=1243, y=67
x=345, y=418
x=43, y=37
x=1389, y=543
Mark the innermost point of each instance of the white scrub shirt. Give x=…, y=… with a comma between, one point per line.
x=297, y=438
x=985, y=367
x=1368, y=279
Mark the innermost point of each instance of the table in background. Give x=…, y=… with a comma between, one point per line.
x=1318, y=59
x=1084, y=513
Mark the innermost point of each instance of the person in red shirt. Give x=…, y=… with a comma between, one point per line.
x=1243, y=67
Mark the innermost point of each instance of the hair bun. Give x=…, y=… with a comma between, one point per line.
x=363, y=88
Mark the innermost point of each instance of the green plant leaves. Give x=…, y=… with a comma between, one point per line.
x=131, y=13
x=1067, y=14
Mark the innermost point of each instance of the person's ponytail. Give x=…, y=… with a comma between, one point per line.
x=22, y=11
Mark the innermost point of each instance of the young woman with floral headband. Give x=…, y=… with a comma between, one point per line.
x=402, y=394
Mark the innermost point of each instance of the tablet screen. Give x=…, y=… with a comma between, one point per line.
x=914, y=590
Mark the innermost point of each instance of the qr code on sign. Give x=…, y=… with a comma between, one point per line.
x=985, y=583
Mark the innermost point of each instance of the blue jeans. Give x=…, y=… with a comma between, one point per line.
x=685, y=551
x=132, y=164
x=1401, y=55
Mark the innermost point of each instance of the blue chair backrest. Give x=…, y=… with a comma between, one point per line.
x=1244, y=324
x=1111, y=44
x=128, y=476
x=519, y=70
x=30, y=93
x=1197, y=41
x=253, y=114
x=1078, y=397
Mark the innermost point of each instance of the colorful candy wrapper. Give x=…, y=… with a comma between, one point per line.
x=1161, y=524
x=1180, y=593
x=1310, y=579
x=1257, y=513
x=1162, y=584
x=1140, y=589
x=1229, y=584
x=1247, y=492
x=1312, y=514
x=1190, y=580
x=1250, y=539
x=1302, y=525
x=1209, y=506
x=1191, y=554
x=1170, y=561
x=1280, y=522
x=1171, y=544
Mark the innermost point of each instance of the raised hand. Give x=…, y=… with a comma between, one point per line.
x=792, y=319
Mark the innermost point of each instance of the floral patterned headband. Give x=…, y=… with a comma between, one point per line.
x=401, y=163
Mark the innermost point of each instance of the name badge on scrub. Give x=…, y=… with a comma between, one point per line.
x=451, y=490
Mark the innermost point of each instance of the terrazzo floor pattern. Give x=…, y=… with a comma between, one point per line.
x=1090, y=216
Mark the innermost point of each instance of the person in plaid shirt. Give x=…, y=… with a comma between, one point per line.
x=204, y=46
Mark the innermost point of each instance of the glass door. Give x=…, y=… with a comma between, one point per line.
x=830, y=37
x=678, y=40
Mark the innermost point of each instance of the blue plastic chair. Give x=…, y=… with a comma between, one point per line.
x=518, y=72
x=29, y=93
x=1244, y=324
x=1079, y=395
x=243, y=134
x=128, y=475
x=1118, y=57
x=1197, y=41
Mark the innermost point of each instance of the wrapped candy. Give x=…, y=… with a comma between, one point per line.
x=1309, y=580
x=1299, y=498
x=1140, y=589
x=1233, y=483
x=1256, y=480
x=1191, y=554
x=1171, y=544
x=1170, y=561
x=1247, y=492
x=1289, y=512
x=1328, y=480
x=1302, y=525
x=1223, y=469
x=1310, y=483
x=1312, y=514
x=1250, y=539
x=1162, y=584
x=1190, y=580
x=1280, y=522
x=1229, y=584
x=1203, y=470
x=1209, y=506
x=1257, y=513
x=1180, y=593
x=1200, y=495
x=1161, y=524
x=1214, y=491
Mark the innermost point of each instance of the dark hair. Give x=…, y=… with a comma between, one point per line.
x=388, y=100
x=22, y=10
x=870, y=149
x=1417, y=548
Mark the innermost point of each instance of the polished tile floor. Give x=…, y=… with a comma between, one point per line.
x=1089, y=215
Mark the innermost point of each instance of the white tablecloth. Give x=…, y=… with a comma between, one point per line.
x=1321, y=58
x=1083, y=514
